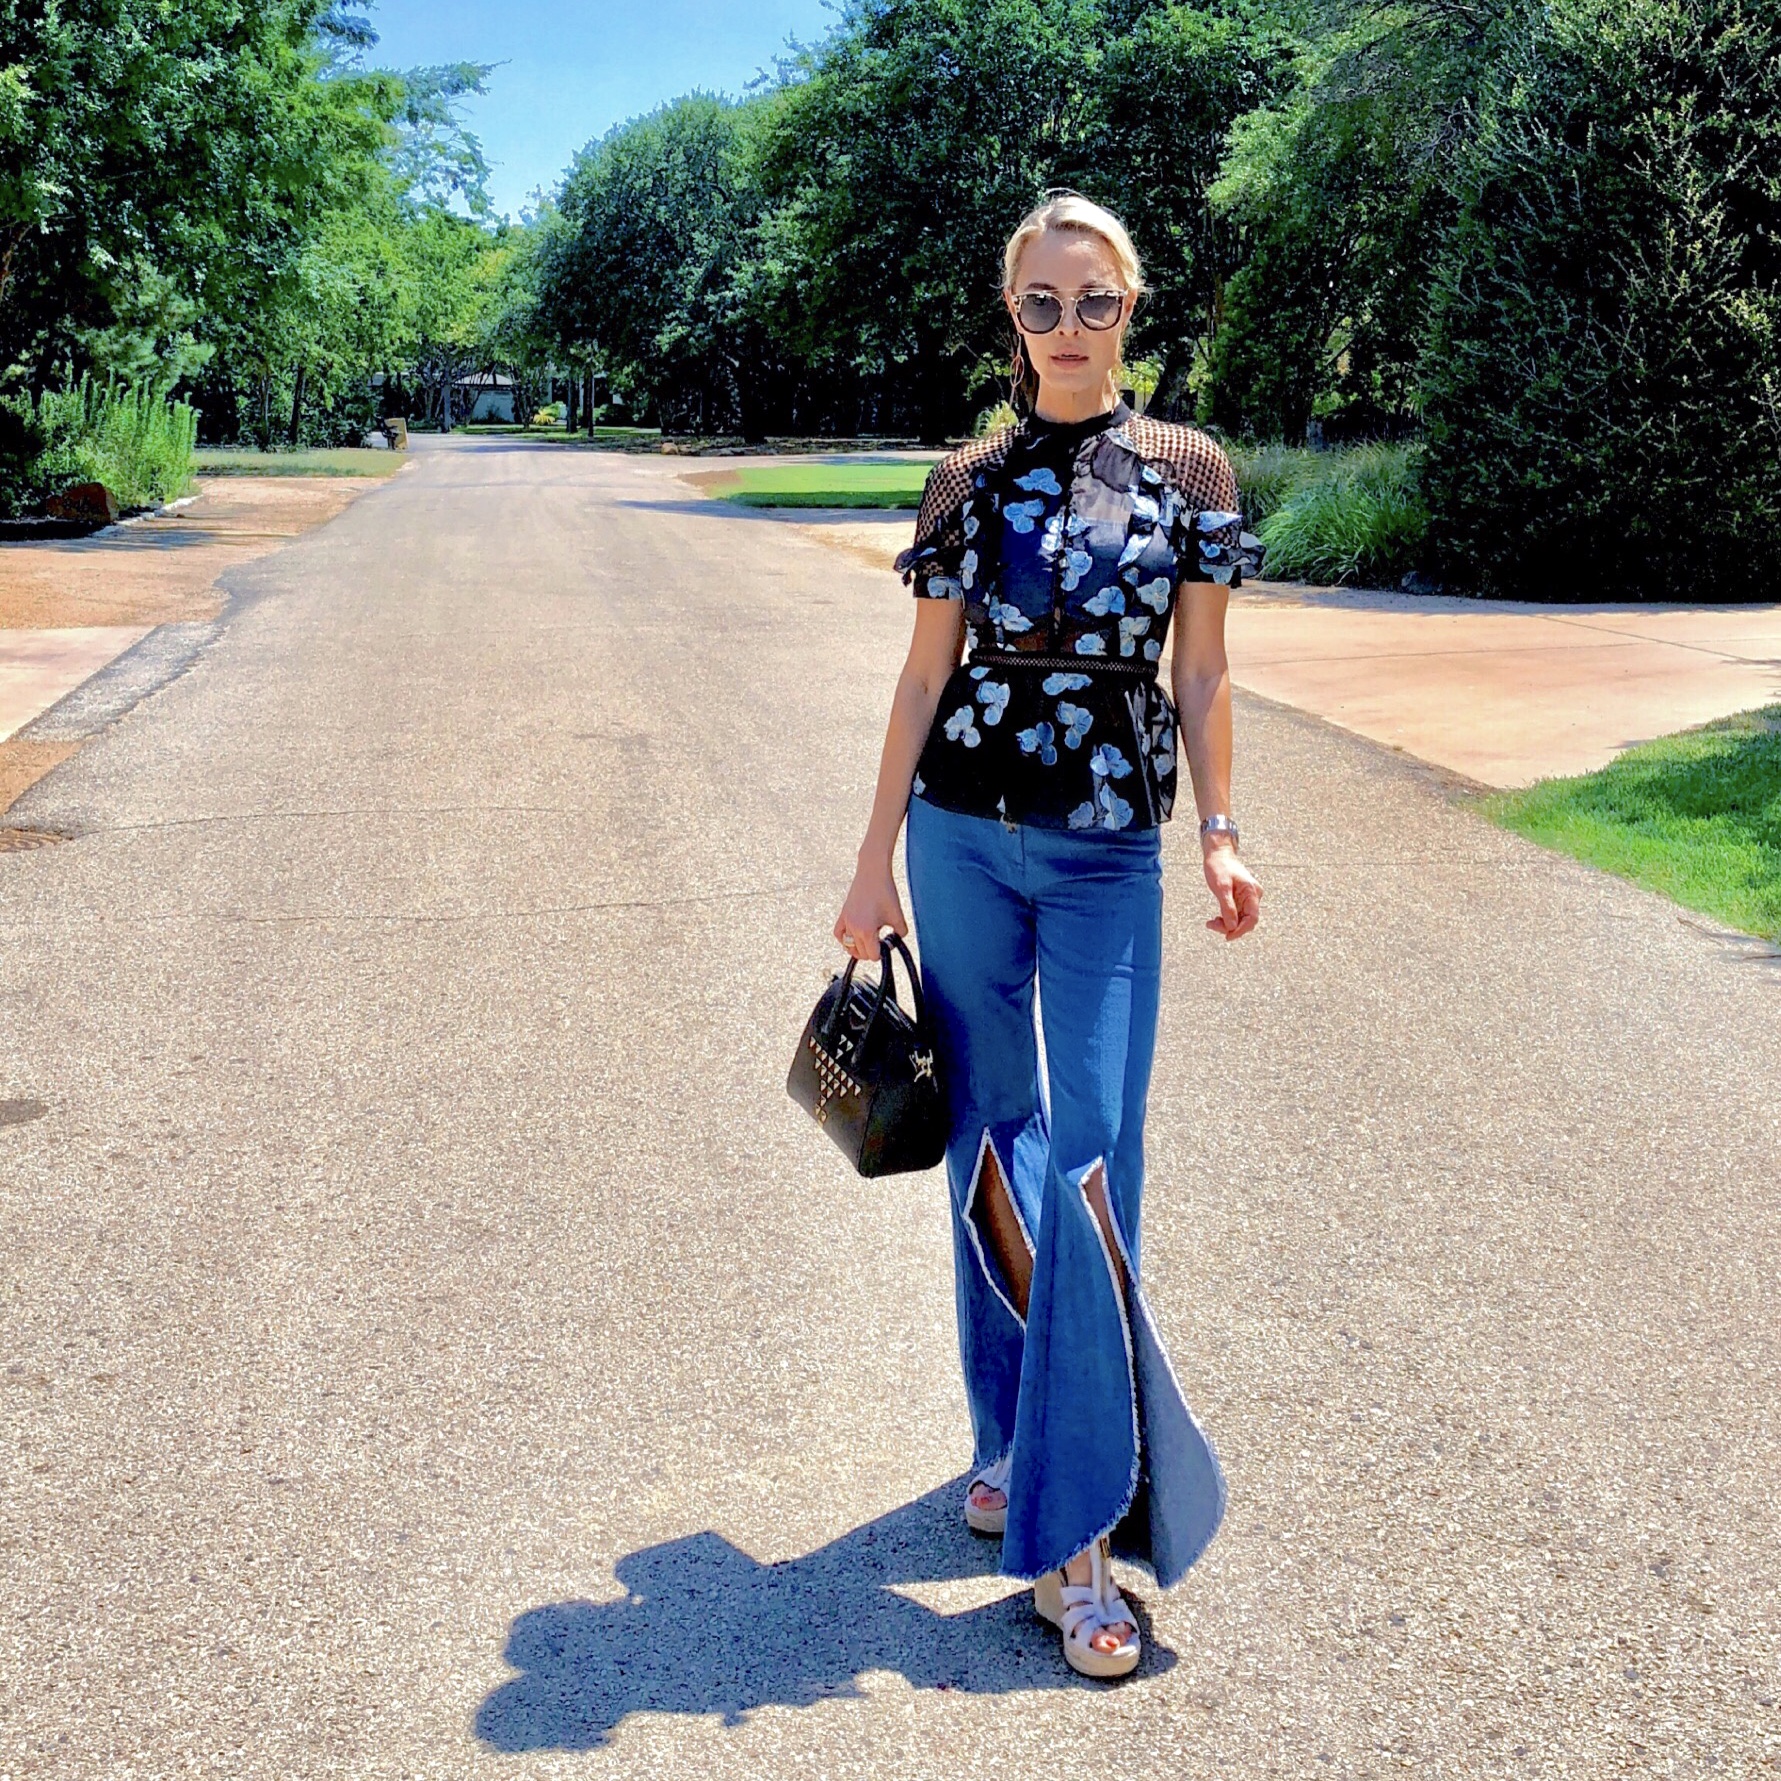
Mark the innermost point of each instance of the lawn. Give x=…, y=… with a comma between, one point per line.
x=1695, y=816
x=821, y=485
x=343, y=461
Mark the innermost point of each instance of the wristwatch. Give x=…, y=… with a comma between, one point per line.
x=1220, y=824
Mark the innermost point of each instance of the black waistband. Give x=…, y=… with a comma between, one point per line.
x=1000, y=658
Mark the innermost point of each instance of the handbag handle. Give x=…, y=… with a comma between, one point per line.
x=890, y=947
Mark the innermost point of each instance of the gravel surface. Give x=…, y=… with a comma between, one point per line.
x=433, y=1345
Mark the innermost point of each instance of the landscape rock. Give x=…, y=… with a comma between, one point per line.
x=86, y=503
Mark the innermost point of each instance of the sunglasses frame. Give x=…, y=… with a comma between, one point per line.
x=1074, y=304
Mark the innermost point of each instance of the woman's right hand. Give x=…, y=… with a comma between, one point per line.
x=872, y=906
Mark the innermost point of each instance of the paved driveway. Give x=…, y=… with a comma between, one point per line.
x=434, y=1346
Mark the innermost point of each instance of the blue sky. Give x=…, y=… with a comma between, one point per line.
x=572, y=71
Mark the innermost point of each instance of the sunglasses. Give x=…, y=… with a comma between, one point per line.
x=1038, y=312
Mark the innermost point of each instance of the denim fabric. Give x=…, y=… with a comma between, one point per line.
x=1102, y=1440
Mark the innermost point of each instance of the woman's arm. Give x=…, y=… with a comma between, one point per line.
x=872, y=903
x=1202, y=678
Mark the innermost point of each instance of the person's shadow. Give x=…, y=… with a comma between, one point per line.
x=704, y=1628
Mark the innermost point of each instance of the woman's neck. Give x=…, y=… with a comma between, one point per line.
x=1065, y=407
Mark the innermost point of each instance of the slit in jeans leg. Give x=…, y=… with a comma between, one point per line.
x=999, y=1233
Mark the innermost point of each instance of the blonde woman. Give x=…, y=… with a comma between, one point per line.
x=1035, y=775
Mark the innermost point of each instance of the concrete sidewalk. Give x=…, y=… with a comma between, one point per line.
x=1500, y=692
x=434, y=1345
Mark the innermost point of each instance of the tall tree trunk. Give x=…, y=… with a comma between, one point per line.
x=574, y=419
x=297, y=403
x=593, y=407
x=445, y=402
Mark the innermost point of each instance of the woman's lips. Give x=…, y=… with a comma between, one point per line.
x=1069, y=358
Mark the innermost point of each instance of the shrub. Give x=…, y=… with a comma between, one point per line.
x=1603, y=381
x=1339, y=516
x=139, y=444
x=1267, y=474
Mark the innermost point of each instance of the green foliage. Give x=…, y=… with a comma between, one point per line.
x=137, y=442
x=1696, y=817
x=1348, y=516
x=640, y=270
x=1603, y=375
x=159, y=164
x=1336, y=195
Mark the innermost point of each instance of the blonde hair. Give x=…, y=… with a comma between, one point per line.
x=1066, y=210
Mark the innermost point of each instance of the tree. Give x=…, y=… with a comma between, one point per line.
x=157, y=164
x=1602, y=382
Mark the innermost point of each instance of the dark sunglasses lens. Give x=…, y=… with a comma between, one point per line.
x=1100, y=309
x=1040, y=312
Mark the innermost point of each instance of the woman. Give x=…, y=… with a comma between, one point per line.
x=1035, y=776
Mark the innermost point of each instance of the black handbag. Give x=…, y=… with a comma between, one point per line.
x=868, y=1073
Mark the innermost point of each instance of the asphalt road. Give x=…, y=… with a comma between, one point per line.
x=433, y=1345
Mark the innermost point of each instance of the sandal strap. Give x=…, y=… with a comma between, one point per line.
x=1089, y=1607
x=994, y=1477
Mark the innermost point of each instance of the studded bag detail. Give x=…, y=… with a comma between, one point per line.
x=867, y=1073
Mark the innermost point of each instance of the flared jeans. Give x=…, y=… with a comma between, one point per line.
x=1077, y=1395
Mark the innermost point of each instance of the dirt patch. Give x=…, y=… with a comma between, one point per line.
x=713, y=482
x=157, y=570
x=22, y=764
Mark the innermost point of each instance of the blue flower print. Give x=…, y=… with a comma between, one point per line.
x=968, y=569
x=1053, y=684
x=1151, y=475
x=1078, y=524
x=1077, y=564
x=1169, y=510
x=1153, y=651
x=1212, y=520
x=1108, y=763
x=1021, y=514
x=961, y=728
x=1051, y=540
x=1162, y=751
x=1082, y=817
x=1038, y=740
x=1091, y=645
x=943, y=587
x=994, y=700
x=920, y=785
x=1038, y=482
x=971, y=523
x=1155, y=594
x=1008, y=618
x=1076, y=723
x=1130, y=630
x=1109, y=599
x=1134, y=548
x=1116, y=813
x=1144, y=508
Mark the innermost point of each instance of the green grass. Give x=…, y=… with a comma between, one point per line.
x=825, y=485
x=345, y=460
x=1696, y=817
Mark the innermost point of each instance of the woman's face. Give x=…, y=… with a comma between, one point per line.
x=1071, y=361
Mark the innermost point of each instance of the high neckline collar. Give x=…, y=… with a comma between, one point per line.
x=1041, y=430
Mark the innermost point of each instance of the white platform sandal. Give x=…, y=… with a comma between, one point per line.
x=1082, y=1610
x=989, y=1521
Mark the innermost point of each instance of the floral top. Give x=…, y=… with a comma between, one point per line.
x=1066, y=543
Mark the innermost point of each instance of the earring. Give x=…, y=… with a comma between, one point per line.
x=1017, y=378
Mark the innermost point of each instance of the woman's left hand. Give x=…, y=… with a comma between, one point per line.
x=1239, y=896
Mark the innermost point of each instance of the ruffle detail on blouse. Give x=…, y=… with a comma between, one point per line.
x=1227, y=553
